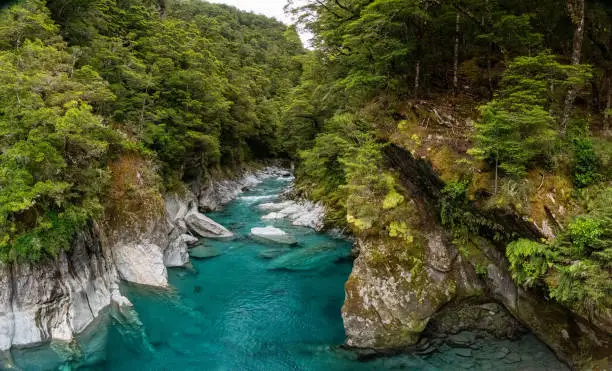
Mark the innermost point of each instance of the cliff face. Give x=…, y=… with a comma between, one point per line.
x=388, y=305
x=58, y=299
x=391, y=301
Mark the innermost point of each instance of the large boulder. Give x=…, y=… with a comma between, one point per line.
x=203, y=226
x=304, y=213
x=275, y=206
x=390, y=296
x=141, y=263
x=273, y=234
x=176, y=254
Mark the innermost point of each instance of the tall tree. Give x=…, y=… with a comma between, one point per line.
x=576, y=12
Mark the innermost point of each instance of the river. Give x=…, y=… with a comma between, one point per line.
x=243, y=310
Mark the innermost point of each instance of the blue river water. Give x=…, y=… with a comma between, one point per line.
x=241, y=310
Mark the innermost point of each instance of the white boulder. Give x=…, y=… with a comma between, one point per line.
x=141, y=263
x=176, y=254
x=273, y=234
x=275, y=206
x=203, y=226
x=273, y=216
x=304, y=213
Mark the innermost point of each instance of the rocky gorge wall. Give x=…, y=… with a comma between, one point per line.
x=393, y=301
x=60, y=298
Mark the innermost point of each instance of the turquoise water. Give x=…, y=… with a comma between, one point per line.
x=241, y=311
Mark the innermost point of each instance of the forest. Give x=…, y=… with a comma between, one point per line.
x=509, y=102
x=190, y=86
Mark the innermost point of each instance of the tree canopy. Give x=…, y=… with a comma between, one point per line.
x=190, y=84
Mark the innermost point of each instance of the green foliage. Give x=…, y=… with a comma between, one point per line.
x=52, y=144
x=515, y=131
x=586, y=166
x=583, y=285
x=201, y=86
x=457, y=214
x=336, y=157
x=583, y=233
x=86, y=81
x=453, y=202
x=575, y=267
x=529, y=261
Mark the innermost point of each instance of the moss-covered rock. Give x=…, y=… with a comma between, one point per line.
x=390, y=299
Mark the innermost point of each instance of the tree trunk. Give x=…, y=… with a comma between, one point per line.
x=608, y=109
x=417, y=77
x=576, y=12
x=456, y=61
x=595, y=101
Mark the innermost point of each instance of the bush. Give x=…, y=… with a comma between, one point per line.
x=529, y=261
x=586, y=166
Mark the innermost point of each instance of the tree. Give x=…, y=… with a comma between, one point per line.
x=576, y=12
x=515, y=131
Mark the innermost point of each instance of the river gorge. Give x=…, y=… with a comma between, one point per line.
x=248, y=304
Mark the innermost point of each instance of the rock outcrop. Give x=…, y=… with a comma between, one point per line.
x=302, y=213
x=138, y=251
x=390, y=302
x=177, y=252
x=392, y=294
x=57, y=299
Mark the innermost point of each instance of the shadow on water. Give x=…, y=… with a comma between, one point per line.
x=257, y=306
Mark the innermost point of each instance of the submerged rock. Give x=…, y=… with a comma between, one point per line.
x=307, y=258
x=273, y=253
x=273, y=234
x=203, y=226
x=204, y=252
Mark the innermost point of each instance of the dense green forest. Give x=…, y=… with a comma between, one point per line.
x=188, y=85
x=508, y=100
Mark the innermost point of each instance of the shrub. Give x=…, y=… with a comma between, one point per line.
x=586, y=166
x=529, y=261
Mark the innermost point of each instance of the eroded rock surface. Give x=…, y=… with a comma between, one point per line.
x=389, y=302
x=177, y=254
x=57, y=299
x=302, y=213
x=203, y=226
